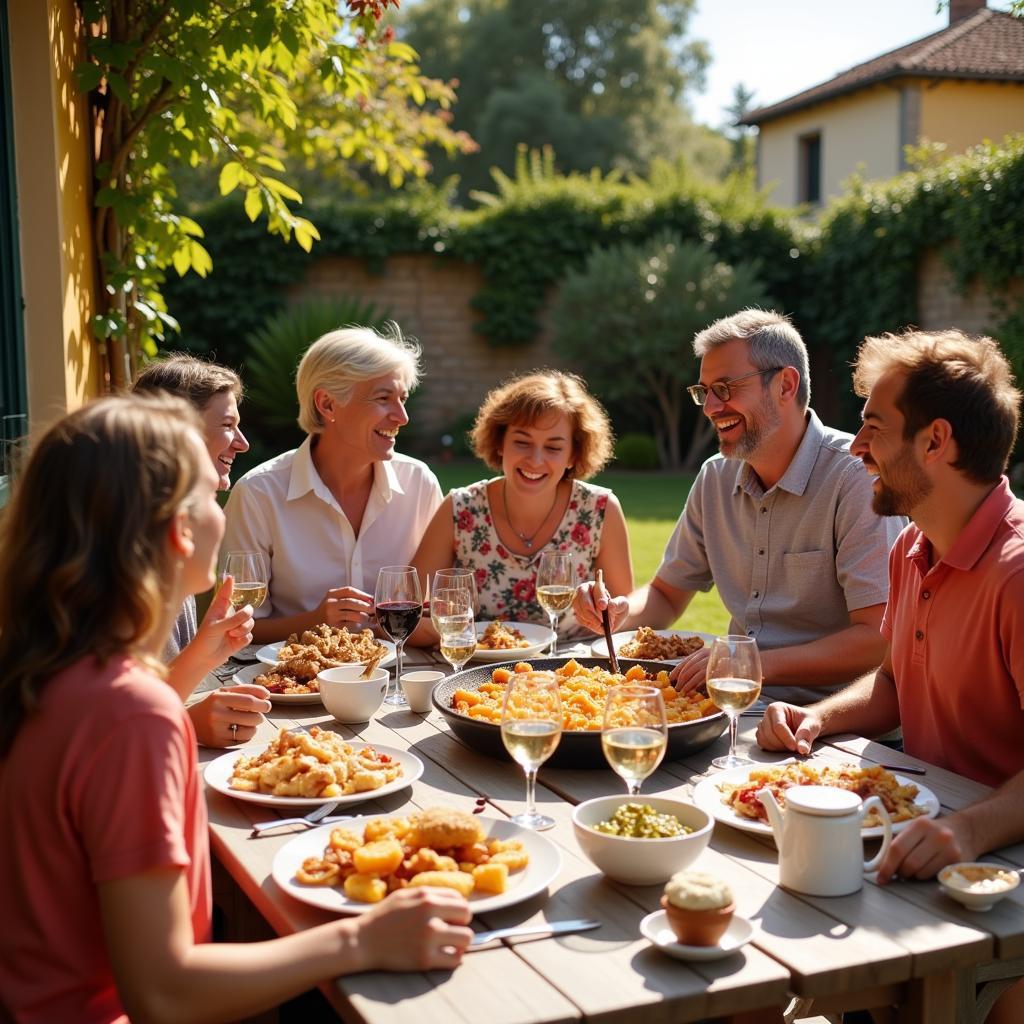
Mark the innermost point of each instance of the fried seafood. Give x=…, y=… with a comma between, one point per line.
x=582, y=692
x=318, y=763
x=436, y=847
x=649, y=646
x=304, y=657
x=871, y=780
x=498, y=636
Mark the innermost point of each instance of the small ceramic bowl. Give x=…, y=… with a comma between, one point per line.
x=976, y=885
x=640, y=861
x=417, y=687
x=698, y=927
x=348, y=697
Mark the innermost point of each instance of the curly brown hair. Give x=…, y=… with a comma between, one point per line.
x=532, y=396
x=84, y=559
x=188, y=377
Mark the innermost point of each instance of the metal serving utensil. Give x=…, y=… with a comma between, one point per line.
x=314, y=817
x=613, y=659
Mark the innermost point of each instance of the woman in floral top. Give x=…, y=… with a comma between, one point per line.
x=546, y=434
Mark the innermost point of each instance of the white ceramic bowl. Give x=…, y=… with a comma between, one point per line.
x=956, y=882
x=641, y=861
x=349, y=698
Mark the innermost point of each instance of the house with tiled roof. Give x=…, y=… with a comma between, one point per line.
x=959, y=86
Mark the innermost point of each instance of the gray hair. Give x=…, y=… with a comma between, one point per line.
x=771, y=340
x=339, y=360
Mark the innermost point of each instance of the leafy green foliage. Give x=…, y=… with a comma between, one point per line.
x=234, y=87
x=636, y=451
x=630, y=316
x=276, y=348
x=603, y=81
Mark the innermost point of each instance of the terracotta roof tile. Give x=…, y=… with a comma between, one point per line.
x=988, y=44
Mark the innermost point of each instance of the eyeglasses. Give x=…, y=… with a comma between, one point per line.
x=722, y=389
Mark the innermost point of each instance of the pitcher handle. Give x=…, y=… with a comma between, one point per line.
x=875, y=802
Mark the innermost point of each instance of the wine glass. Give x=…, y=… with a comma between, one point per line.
x=248, y=569
x=555, y=588
x=453, y=579
x=452, y=611
x=531, y=726
x=635, y=732
x=398, y=604
x=734, y=683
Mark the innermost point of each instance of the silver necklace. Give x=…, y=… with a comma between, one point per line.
x=527, y=541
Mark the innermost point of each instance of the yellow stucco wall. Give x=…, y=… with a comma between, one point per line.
x=862, y=128
x=54, y=211
x=962, y=114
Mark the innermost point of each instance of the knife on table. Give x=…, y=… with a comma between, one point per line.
x=543, y=928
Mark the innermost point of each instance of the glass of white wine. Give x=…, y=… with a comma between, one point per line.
x=452, y=579
x=635, y=732
x=555, y=588
x=248, y=569
x=734, y=683
x=531, y=727
x=452, y=612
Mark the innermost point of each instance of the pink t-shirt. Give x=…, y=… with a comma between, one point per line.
x=956, y=630
x=101, y=784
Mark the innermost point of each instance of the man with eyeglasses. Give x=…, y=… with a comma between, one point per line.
x=780, y=522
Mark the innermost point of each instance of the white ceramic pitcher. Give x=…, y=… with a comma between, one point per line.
x=819, y=839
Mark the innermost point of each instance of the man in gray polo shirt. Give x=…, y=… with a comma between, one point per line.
x=780, y=522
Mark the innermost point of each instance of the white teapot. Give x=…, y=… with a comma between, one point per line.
x=819, y=839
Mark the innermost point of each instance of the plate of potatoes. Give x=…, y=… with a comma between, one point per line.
x=348, y=867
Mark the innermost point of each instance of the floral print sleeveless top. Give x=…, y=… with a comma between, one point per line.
x=506, y=583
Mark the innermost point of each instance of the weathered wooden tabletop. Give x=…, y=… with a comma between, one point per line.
x=906, y=943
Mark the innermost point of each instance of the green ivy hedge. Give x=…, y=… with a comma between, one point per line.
x=852, y=273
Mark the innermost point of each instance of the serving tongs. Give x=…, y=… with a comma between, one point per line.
x=613, y=658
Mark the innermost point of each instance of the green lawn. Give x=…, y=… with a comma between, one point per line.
x=652, y=503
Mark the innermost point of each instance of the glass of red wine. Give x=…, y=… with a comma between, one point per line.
x=398, y=602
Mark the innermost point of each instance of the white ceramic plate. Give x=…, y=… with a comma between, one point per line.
x=268, y=654
x=539, y=638
x=545, y=863
x=599, y=648
x=249, y=674
x=655, y=928
x=218, y=777
x=708, y=797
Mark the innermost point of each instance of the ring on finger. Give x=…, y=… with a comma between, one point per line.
x=234, y=730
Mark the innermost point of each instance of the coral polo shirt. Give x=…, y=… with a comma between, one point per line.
x=956, y=630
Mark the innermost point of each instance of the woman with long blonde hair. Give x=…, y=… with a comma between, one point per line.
x=104, y=862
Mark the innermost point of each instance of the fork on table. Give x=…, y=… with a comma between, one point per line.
x=313, y=818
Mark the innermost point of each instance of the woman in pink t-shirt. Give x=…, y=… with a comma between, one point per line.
x=104, y=863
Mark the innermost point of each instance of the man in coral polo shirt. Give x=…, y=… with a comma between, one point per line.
x=939, y=422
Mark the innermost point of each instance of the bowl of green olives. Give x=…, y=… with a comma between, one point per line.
x=641, y=840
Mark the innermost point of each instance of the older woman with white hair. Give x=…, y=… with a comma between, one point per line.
x=330, y=513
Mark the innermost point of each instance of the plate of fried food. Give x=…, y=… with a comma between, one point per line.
x=301, y=768
x=323, y=647
x=646, y=644
x=503, y=641
x=471, y=702
x=283, y=688
x=346, y=868
x=731, y=796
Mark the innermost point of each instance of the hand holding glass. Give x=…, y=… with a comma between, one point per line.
x=531, y=727
x=555, y=588
x=398, y=604
x=249, y=572
x=452, y=613
x=635, y=732
x=734, y=683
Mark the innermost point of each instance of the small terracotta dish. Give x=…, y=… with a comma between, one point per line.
x=698, y=927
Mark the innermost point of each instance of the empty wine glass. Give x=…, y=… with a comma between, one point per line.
x=555, y=588
x=531, y=727
x=398, y=604
x=452, y=612
x=635, y=732
x=248, y=569
x=453, y=579
x=734, y=683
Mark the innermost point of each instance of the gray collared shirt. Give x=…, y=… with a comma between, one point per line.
x=791, y=562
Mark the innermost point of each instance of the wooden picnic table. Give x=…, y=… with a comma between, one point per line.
x=905, y=944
